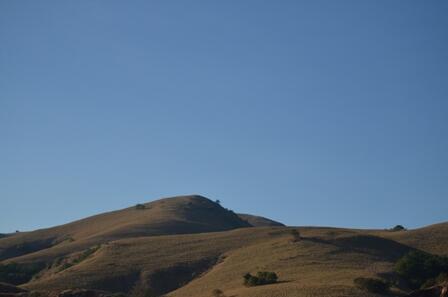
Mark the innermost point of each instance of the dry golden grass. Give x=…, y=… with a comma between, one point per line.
x=433, y=238
x=177, y=215
x=323, y=263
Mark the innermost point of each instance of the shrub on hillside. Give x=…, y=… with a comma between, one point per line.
x=418, y=267
x=398, y=228
x=217, y=293
x=81, y=257
x=140, y=206
x=86, y=253
x=372, y=285
x=262, y=278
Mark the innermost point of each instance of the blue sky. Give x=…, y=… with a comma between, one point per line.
x=308, y=112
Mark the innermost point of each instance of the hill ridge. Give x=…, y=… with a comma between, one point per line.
x=166, y=244
x=169, y=215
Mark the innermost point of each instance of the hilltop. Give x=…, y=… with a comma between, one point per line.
x=175, y=215
x=189, y=246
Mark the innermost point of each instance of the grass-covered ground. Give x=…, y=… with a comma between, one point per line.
x=320, y=262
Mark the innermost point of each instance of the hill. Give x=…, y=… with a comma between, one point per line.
x=190, y=246
x=176, y=215
x=324, y=261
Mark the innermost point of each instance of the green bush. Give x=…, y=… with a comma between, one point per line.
x=262, y=278
x=372, y=285
x=81, y=257
x=398, y=228
x=418, y=268
x=217, y=293
x=140, y=206
x=86, y=253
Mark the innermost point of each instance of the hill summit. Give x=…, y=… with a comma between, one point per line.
x=174, y=215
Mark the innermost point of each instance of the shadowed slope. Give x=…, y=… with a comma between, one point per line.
x=8, y=288
x=258, y=221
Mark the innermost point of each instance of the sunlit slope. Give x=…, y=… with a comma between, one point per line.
x=177, y=215
x=432, y=239
x=165, y=262
x=189, y=245
x=323, y=262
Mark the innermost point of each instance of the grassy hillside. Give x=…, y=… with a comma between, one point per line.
x=149, y=248
x=433, y=238
x=177, y=215
x=324, y=261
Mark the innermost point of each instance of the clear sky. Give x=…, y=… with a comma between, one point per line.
x=308, y=112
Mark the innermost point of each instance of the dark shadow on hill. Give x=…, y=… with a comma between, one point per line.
x=25, y=247
x=17, y=274
x=375, y=246
x=3, y=235
x=6, y=288
x=117, y=283
x=159, y=282
x=169, y=279
x=393, y=278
